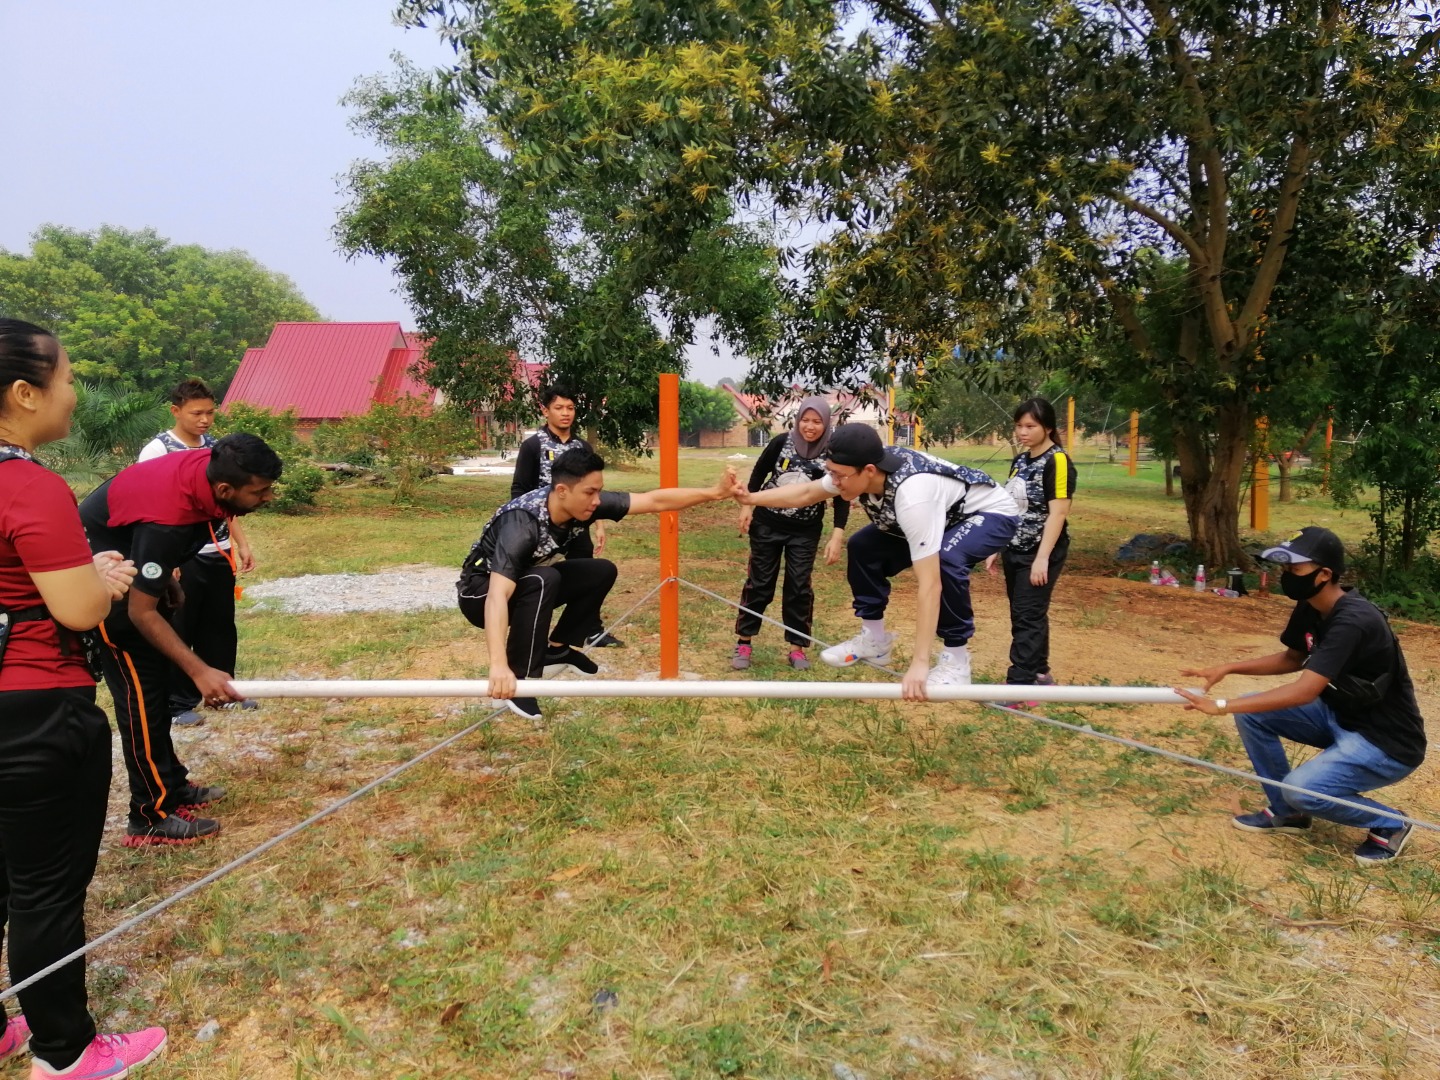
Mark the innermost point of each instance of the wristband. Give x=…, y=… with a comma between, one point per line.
x=1221, y=703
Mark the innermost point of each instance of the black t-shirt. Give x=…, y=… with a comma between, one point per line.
x=521, y=534
x=1356, y=640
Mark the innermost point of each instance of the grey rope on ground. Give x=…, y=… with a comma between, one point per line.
x=235, y=864
x=1085, y=729
x=637, y=605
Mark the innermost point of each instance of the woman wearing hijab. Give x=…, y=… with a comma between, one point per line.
x=794, y=457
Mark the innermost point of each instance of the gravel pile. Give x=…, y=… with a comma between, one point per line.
x=404, y=588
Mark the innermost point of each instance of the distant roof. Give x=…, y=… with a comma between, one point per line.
x=325, y=371
x=748, y=404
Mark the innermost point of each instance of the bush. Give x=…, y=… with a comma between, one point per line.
x=1413, y=594
x=406, y=443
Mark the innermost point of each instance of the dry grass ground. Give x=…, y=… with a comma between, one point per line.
x=791, y=889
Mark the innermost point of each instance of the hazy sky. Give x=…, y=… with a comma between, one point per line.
x=216, y=124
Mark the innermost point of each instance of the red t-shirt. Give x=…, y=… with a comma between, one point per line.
x=39, y=532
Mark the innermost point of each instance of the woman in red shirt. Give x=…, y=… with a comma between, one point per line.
x=54, y=740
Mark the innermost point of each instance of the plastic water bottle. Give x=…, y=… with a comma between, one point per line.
x=1155, y=572
x=1200, y=578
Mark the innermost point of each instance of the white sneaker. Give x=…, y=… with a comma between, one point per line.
x=952, y=669
x=860, y=647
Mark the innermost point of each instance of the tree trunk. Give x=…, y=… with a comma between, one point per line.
x=1210, y=484
x=1169, y=477
x=1286, y=462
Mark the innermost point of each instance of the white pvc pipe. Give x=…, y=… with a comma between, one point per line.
x=683, y=688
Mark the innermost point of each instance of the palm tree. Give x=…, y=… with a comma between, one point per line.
x=108, y=429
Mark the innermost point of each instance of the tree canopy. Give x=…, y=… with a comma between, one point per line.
x=703, y=408
x=141, y=313
x=497, y=264
x=1016, y=175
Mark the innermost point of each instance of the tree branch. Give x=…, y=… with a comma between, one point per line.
x=1197, y=253
x=1203, y=138
x=1276, y=247
x=901, y=14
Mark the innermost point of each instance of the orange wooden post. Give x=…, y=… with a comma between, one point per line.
x=1134, y=440
x=1260, y=485
x=670, y=528
x=1070, y=428
x=1329, y=439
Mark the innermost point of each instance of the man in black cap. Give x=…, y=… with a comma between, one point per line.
x=936, y=516
x=1354, y=700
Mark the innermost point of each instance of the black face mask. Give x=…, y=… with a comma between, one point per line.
x=1301, y=586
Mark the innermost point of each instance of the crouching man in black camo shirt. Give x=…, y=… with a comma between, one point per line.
x=522, y=568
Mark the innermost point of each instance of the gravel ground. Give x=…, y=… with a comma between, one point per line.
x=404, y=588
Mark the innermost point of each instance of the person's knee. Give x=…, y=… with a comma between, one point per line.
x=1303, y=803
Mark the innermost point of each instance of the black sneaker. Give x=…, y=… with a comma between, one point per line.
x=175, y=829
x=193, y=796
x=1382, y=845
x=527, y=707
x=604, y=640
x=564, y=659
x=244, y=703
x=1265, y=821
x=188, y=718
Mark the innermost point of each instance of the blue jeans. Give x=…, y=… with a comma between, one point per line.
x=1348, y=763
x=874, y=557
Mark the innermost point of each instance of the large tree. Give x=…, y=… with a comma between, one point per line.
x=998, y=172
x=141, y=313
x=500, y=259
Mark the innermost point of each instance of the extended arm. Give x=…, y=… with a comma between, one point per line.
x=1302, y=691
x=663, y=500
x=497, y=631
x=927, y=618
x=213, y=684
x=790, y=495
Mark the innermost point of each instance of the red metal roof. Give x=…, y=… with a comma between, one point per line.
x=328, y=370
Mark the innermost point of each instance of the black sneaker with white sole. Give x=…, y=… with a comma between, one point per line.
x=527, y=707
x=1382, y=845
x=604, y=640
x=566, y=660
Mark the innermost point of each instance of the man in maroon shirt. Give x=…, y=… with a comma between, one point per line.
x=158, y=514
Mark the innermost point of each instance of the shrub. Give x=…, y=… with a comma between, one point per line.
x=407, y=443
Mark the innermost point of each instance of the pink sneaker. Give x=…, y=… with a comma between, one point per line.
x=109, y=1057
x=17, y=1035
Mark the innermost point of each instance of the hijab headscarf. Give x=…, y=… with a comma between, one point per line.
x=817, y=448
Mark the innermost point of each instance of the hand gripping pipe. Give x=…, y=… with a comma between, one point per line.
x=682, y=688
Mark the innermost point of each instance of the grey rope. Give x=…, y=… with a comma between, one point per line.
x=235, y=864
x=1086, y=729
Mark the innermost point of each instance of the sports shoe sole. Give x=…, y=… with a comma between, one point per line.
x=165, y=841
x=851, y=660
x=20, y=1047
x=1292, y=830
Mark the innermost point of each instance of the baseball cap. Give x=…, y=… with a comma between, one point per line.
x=859, y=445
x=1310, y=544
